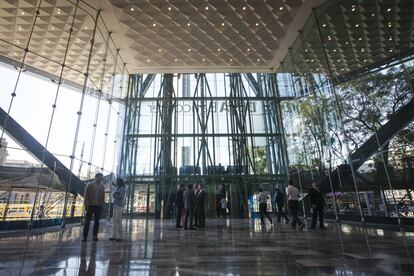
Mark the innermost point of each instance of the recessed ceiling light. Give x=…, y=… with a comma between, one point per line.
x=342, y=69
x=189, y=49
x=347, y=43
x=53, y=28
x=248, y=49
x=175, y=60
x=312, y=60
x=222, y=24
x=132, y=9
x=372, y=14
x=356, y=25
x=20, y=28
x=231, y=59
x=188, y=24
x=334, y=50
x=18, y=42
x=324, y=25
x=206, y=8
x=148, y=60
x=390, y=50
x=390, y=38
x=258, y=60
x=317, y=69
x=159, y=50
x=204, y=59
x=360, y=38
x=22, y=13
x=306, y=50
x=353, y=8
x=329, y=37
x=389, y=24
x=257, y=24
x=58, y=11
x=86, y=27
x=365, y=60
x=281, y=8
x=389, y=9
x=219, y=49
x=339, y=60
x=244, y=8
x=154, y=25
x=362, y=50
x=169, y=8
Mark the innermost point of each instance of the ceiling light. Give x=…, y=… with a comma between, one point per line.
x=329, y=37
x=390, y=38
x=317, y=69
x=15, y=53
x=132, y=9
x=281, y=8
x=231, y=59
x=356, y=25
x=20, y=28
x=257, y=24
x=365, y=60
x=58, y=11
x=204, y=59
x=53, y=28
x=342, y=69
x=222, y=24
x=372, y=14
x=169, y=8
x=86, y=27
x=18, y=42
x=22, y=13
x=188, y=24
x=175, y=60
x=148, y=60
x=189, y=49
x=258, y=60
x=346, y=42
x=306, y=50
x=47, y=42
x=390, y=50
x=159, y=50
x=248, y=49
x=362, y=50
x=78, y=39
x=207, y=8
x=360, y=38
x=219, y=49
x=244, y=8
x=339, y=60
x=389, y=24
x=334, y=50
x=154, y=25
x=353, y=8
x=389, y=9
x=324, y=25
x=312, y=60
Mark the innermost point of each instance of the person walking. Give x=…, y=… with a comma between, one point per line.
x=293, y=204
x=179, y=205
x=200, y=209
x=280, y=202
x=118, y=199
x=262, y=198
x=189, y=206
x=93, y=201
x=318, y=203
x=223, y=203
x=196, y=188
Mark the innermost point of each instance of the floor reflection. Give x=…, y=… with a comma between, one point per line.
x=225, y=247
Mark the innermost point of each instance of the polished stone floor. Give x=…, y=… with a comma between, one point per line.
x=224, y=247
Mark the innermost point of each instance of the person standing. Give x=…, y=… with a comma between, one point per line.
x=318, y=203
x=118, y=197
x=93, y=201
x=223, y=204
x=262, y=198
x=196, y=192
x=280, y=202
x=179, y=205
x=189, y=206
x=200, y=209
x=293, y=204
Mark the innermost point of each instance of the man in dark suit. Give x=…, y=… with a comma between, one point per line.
x=179, y=205
x=280, y=202
x=189, y=206
x=201, y=201
x=318, y=203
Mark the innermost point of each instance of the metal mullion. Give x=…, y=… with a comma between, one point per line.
x=72, y=157
x=52, y=117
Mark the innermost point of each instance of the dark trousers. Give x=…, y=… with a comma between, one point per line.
x=294, y=208
x=96, y=212
x=224, y=212
x=263, y=211
x=179, y=215
x=189, y=213
x=281, y=214
x=201, y=217
x=317, y=211
x=195, y=215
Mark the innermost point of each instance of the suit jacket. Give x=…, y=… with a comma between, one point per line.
x=179, y=199
x=201, y=200
x=189, y=199
x=316, y=198
x=280, y=199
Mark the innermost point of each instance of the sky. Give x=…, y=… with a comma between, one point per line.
x=32, y=109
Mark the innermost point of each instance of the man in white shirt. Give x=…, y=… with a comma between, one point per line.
x=262, y=198
x=293, y=204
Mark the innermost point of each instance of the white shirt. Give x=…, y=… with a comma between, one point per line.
x=292, y=192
